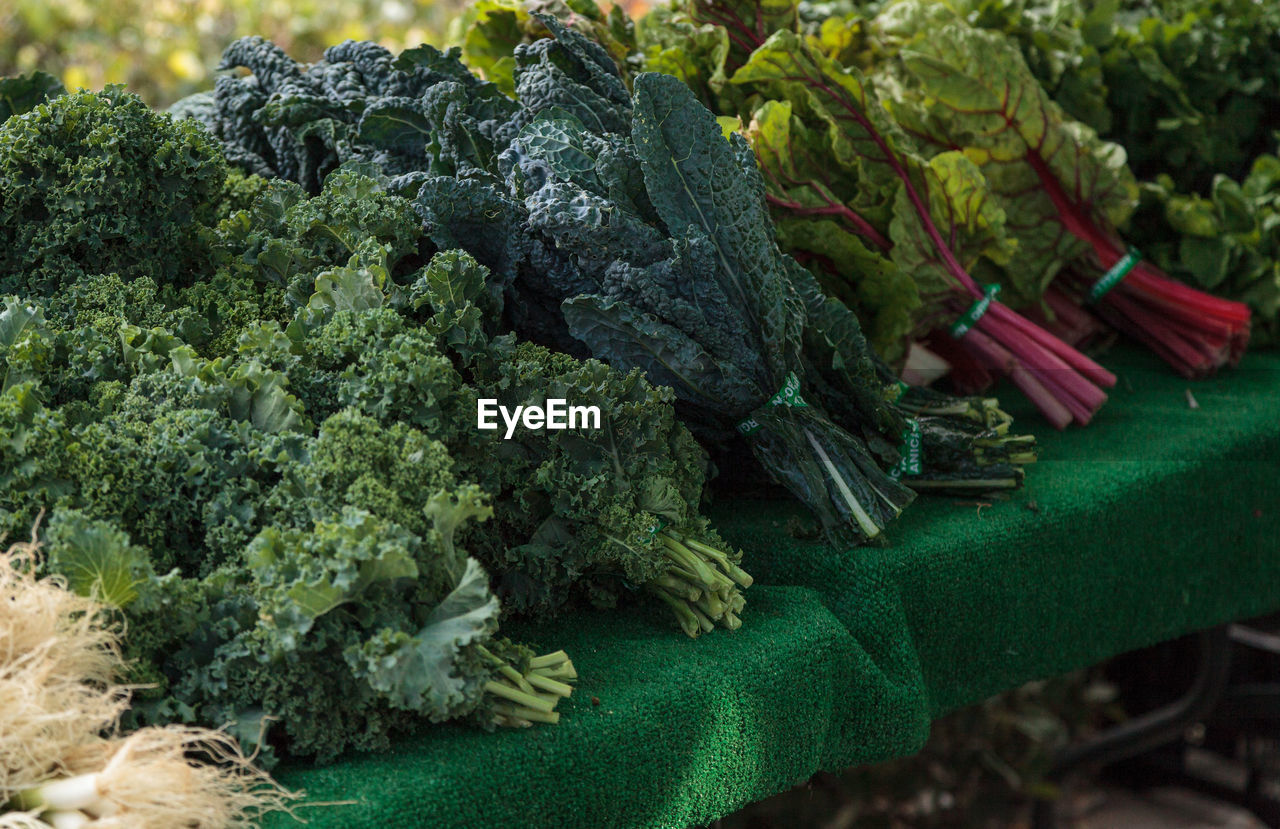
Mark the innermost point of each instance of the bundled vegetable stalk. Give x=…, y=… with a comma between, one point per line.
x=1186, y=87
x=968, y=437
x=574, y=203
x=962, y=89
x=62, y=763
x=929, y=440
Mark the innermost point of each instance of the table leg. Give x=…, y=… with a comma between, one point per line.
x=1151, y=730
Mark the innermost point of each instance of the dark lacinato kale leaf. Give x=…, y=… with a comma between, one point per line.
x=360, y=102
x=712, y=205
x=572, y=73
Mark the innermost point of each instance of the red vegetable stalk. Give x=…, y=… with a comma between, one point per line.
x=1064, y=384
x=1067, y=318
x=1192, y=331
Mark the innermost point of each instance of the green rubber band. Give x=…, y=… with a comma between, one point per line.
x=911, y=450
x=788, y=395
x=895, y=392
x=1118, y=271
x=970, y=318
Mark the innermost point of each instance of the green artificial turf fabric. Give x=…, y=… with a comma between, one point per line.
x=1156, y=520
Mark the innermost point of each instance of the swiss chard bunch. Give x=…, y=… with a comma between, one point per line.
x=962, y=89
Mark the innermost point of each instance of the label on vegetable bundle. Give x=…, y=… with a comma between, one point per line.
x=555, y=415
x=911, y=452
x=970, y=318
x=1117, y=272
x=788, y=395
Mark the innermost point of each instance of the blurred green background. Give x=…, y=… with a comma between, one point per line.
x=165, y=49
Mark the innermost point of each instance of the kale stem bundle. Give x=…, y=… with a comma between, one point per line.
x=702, y=586
x=530, y=697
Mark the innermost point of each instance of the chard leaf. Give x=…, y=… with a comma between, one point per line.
x=570, y=72
x=959, y=200
x=496, y=28
x=975, y=93
x=696, y=54
x=835, y=102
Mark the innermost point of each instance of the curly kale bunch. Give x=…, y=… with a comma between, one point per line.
x=171, y=492
x=284, y=493
x=98, y=183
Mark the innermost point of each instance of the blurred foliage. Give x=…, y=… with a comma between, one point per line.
x=165, y=49
x=981, y=767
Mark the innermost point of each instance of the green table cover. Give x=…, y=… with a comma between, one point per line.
x=1157, y=520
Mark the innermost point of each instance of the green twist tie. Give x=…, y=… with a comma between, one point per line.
x=658, y=526
x=1118, y=271
x=788, y=395
x=970, y=318
x=912, y=452
x=895, y=392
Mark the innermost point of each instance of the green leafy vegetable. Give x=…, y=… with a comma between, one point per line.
x=975, y=92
